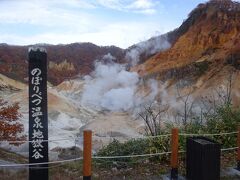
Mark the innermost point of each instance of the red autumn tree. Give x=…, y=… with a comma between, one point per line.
x=10, y=127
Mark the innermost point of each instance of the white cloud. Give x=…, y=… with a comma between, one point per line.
x=146, y=11
x=84, y=4
x=41, y=13
x=141, y=4
x=112, y=4
x=69, y=21
x=135, y=6
x=123, y=34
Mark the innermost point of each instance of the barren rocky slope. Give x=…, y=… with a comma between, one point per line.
x=206, y=52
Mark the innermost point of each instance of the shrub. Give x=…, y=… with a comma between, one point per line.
x=10, y=128
x=134, y=147
x=225, y=119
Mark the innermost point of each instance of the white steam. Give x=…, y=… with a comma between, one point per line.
x=110, y=87
x=113, y=88
x=118, y=99
x=150, y=47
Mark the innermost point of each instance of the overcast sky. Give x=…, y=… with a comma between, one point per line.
x=103, y=22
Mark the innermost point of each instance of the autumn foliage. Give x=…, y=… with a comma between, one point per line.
x=10, y=128
x=14, y=60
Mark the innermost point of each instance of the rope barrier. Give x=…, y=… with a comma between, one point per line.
x=166, y=135
x=129, y=156
x=94, y=157
x=143, y=137
x=50, y=140
x=137, y=137
x=217, y=134
x=99, y=157
x=229, y=149
x=163, y=135
x=43, y=163
x=113, y=157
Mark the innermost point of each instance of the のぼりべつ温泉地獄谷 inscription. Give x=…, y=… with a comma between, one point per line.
x=38, y=118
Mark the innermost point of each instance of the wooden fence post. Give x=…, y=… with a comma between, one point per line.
x=87, y=154
x=238, y=150
x=174, y=154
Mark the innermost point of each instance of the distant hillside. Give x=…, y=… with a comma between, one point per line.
x=208, y=40
x=65, y=61
x=204, y=52
x=210, y=37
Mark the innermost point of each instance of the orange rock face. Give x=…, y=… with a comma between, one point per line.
x=213, y=35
